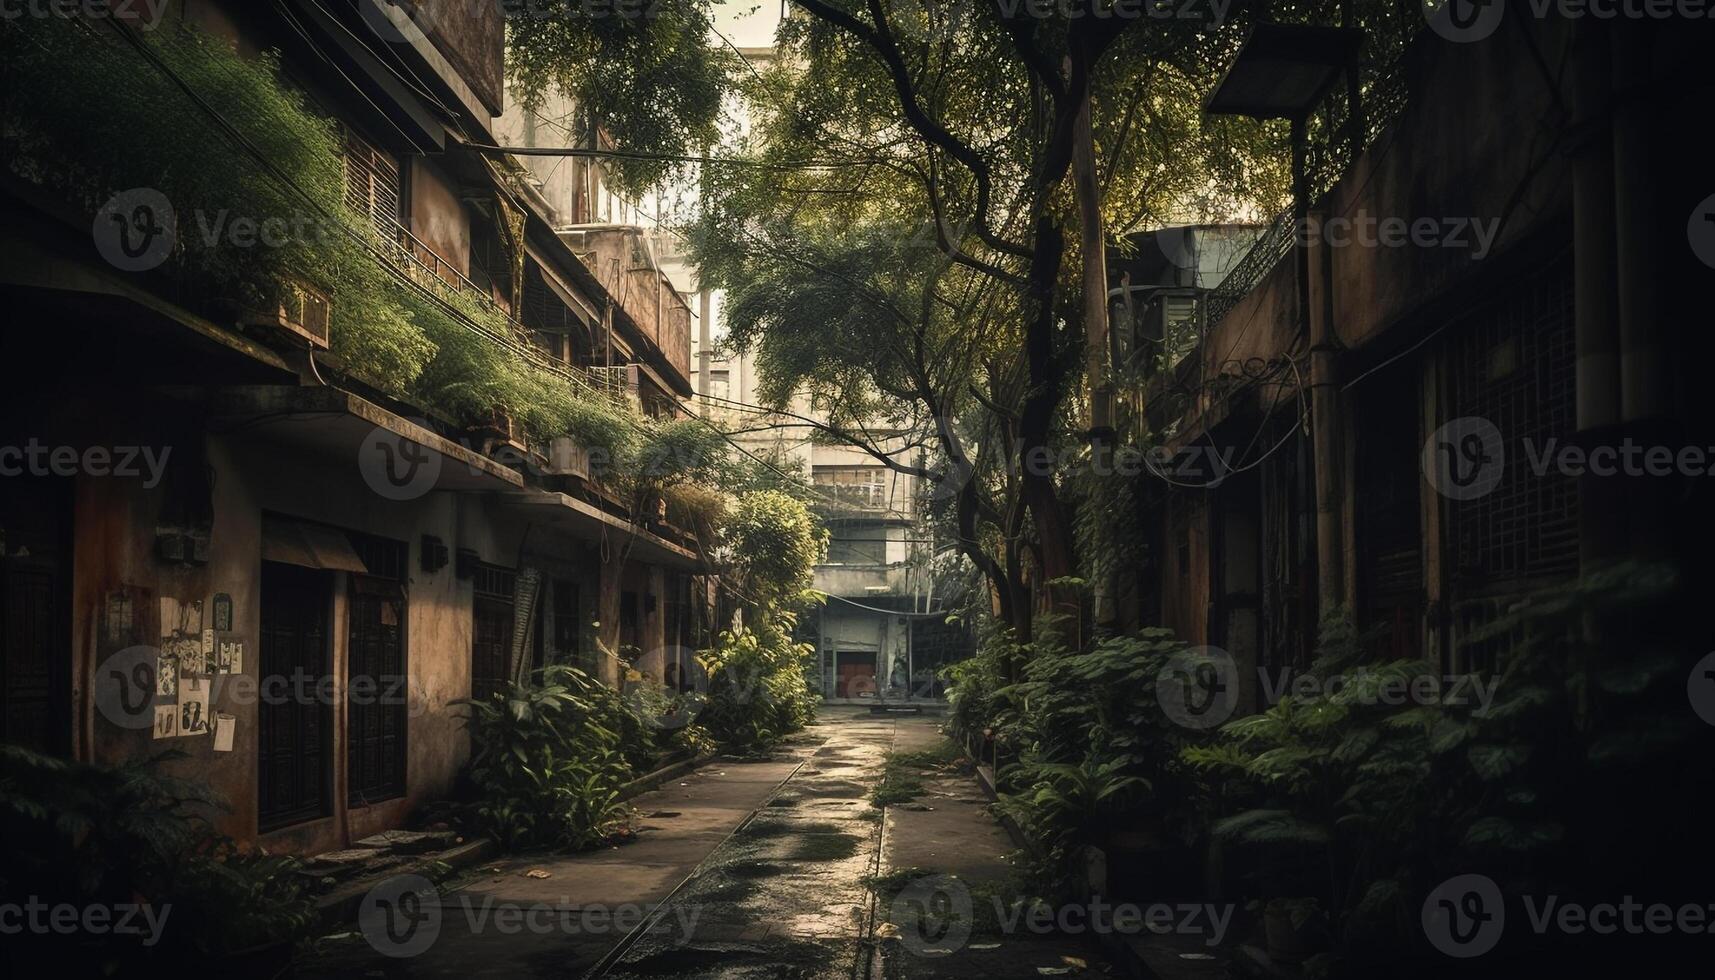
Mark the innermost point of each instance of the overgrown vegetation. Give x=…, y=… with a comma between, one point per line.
x=86, y=116
x=1352, y=799
x=547, y=763
x=87, y=836
x=551, y=755
x=759, y=679
x=901, y=779
x=1095, y=753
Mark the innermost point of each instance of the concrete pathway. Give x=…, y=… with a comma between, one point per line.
x=945, y=858
x=595, y=897
x=786, y=896
x=741, y=870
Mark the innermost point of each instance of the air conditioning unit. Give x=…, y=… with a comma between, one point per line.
x=303, y=311
x=566, y=457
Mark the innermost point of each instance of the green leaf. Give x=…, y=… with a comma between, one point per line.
x=1495, y=761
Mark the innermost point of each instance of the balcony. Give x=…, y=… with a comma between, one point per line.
x=858, y=581
x=621, y=261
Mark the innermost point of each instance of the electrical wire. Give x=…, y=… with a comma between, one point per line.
x=932, y=614
x=572, y=151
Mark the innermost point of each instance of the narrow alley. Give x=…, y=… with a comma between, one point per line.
x=855, y=489
x=771, y=867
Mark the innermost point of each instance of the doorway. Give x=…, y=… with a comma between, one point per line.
x=294, y=726
x=854, y=674
x=35, y=613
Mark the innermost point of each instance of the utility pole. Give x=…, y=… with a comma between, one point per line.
x=705, y=339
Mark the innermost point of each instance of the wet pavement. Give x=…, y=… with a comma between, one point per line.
x=742, y=869
x=786, y=895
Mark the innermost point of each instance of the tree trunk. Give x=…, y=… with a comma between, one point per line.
x=1104, y=589
x=1036, y=419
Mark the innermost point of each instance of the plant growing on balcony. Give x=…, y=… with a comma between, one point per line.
x=86, y=115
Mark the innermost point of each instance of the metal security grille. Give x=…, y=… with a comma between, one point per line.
x=1288, y=551
x=294, y=733
x=491, y=629
x=372, y=186
x=1512, y=364
x=1388, y=506
x=565, y=610
x=378, y=673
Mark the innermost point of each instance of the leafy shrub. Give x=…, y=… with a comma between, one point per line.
x=547, y=763
x=228, y=900
x=1390, y=799
x=1096, y=752
x=758, y=688
x=81, y=834
x=974, y=700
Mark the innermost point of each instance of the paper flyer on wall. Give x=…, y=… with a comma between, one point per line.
x=225, y=728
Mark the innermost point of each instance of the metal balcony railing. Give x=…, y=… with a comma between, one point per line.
x=416, y=261
x=1384, y=98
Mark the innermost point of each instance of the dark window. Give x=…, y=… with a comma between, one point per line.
x=294, y=739
x=491, y=630
x=630, y=621
x=379, y=673
x=566, y=631
x=1512, y=363
x=856, y=544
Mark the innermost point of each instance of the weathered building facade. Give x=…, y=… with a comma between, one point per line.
x=220, y=537
x=1377, y=412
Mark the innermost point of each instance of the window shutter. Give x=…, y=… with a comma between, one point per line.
x=371, y=182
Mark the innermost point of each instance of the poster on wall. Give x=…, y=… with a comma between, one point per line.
x=182, y=637
x=193, y=707
x=228, y=655
x=166, y=720
x=222, y=613
x=225, y=730
x=166, y=677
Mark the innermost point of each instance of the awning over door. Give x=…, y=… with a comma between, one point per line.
x=309, y=546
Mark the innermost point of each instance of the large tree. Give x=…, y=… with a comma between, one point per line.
x=907, y=247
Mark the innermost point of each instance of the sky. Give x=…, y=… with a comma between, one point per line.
x=748, y=23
